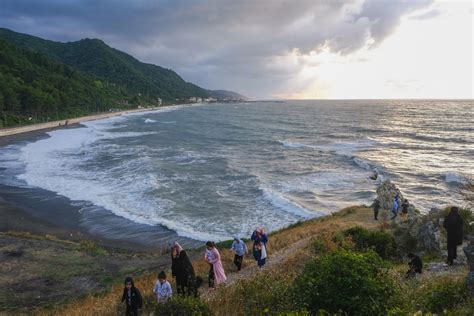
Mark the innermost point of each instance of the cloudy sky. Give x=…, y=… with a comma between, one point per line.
x=278, y=48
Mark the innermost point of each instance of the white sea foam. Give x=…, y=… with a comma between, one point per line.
x=149, y=121
x=55, y=164
x=289, y=144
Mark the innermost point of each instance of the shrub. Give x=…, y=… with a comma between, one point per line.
x=381, y=242
x=345, y=281
x=91, y=248
x=266, y=292
x=444, y=296
x=183, y=306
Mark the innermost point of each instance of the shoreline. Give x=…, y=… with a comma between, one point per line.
x=11, y=131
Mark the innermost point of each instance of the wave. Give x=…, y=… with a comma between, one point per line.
x=289, y=144
x=454, y=177
x=149, y=121
x=285, y=204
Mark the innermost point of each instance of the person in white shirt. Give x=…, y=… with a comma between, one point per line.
x=162, y=288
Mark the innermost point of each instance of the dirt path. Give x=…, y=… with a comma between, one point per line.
x=278, y=257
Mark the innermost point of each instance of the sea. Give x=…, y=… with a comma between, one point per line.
x=213, y=171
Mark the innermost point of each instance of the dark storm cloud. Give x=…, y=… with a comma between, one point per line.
x=240, y=45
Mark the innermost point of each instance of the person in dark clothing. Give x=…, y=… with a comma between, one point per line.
x=132, y=298
x=454, y=225
x=415, y=265
x=376, y=208
x=259, y=250
x=405, y=206
x=182, y=269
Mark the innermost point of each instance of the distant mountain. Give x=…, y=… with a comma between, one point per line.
x=226, y=95
x=92, y=56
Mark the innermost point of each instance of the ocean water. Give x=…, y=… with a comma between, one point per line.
x=208, y=172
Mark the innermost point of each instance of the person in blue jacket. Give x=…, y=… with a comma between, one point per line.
x=395, y=207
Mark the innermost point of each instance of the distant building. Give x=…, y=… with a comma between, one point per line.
x=198, y=100
x=193, y=99
x=210, y=99
x=160, y=102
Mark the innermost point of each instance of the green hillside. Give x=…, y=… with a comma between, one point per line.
x=35, y=88
x=133, y=78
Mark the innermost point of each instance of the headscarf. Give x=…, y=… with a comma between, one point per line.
x=178, y=247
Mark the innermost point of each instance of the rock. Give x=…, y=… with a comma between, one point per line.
x=437, y=267
x=429, y=237
x=386, y=192
x=469, y=251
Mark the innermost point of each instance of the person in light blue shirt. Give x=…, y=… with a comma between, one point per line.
x=395, y=206
x=240, y=249
x=162, y=288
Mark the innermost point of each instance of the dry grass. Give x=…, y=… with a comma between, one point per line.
x=288, y=250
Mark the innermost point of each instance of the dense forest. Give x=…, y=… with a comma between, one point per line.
x=35, y=88
x=42, y=80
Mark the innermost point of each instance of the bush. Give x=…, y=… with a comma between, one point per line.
x=381, y=242
x=444, y=296
x=183, y=306
x=345, y=281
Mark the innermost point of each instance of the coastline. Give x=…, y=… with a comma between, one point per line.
x=4, y=132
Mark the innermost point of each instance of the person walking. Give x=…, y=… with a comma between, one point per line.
x=376, y=206
x=259, y=249
x=454, y=225
x=162, y=288
x=395, y=207
x=182, y=269
x=405, y=206
x=132, y=298
x=216, y=271
x=240, y=249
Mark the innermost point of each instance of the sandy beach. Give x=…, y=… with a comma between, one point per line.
x=63, y=123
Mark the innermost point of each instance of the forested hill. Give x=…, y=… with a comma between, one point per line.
x=35, y=88
x=94, y=57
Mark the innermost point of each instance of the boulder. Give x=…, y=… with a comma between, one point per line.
x=429, y=237
x=386, y=192
x=469, y=251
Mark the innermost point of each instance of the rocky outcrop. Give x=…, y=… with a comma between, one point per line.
x=386, y=192
x=469, y=251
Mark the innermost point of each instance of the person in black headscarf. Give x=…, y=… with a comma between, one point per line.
x=132, y=297
x=454, y=225
x=182, y=269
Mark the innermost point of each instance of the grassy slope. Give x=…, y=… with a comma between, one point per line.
x=289, y=249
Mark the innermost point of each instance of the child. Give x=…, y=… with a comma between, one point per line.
x=240, y=249
x=162, y=288
x=132, y=297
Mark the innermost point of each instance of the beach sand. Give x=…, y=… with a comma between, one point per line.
x=43, y=127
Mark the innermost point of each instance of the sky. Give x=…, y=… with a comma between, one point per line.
x=288, y=49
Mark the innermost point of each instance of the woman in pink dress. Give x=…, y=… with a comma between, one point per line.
x=216, y=272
